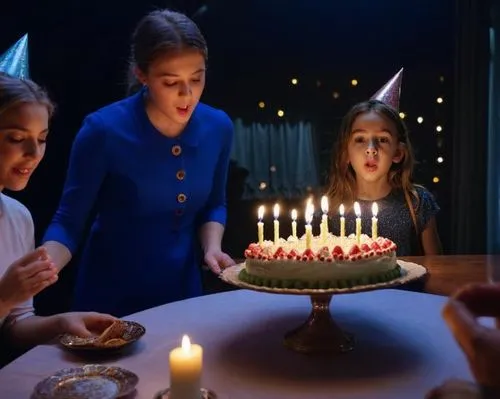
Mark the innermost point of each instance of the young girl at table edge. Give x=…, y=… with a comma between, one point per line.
x=25, y=110
x=373, y=161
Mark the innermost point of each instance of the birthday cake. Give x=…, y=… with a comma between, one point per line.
x=320, y=262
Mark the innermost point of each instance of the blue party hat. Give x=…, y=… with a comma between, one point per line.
x=15, y=60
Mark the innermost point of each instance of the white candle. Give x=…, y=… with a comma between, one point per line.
x=260, y=225
x=342, y=220
x=357, y=211
x=276, y=212
x=374, y=221
x=185, y=370
x=309, y=216
x=294, y=223
x=324, y=218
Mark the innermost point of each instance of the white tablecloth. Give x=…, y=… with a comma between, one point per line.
x=403, y=348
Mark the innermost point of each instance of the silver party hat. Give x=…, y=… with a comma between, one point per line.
x=391, y=91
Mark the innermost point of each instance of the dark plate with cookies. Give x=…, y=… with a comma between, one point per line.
x=119, y=335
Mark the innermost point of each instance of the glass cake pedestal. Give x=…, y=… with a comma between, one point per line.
x=319, y=333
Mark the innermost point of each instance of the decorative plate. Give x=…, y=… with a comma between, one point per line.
x=119, y=335
x=87, y=382
x=409, y=272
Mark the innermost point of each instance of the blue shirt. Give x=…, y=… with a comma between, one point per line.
x=151, y=194
x=394, y=219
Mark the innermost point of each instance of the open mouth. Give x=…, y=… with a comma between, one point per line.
x=371, y=166
x=183, y=110
x=22, y=171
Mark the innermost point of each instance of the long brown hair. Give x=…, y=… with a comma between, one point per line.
x=158, y=33
x=15, y=91
x=342, y=183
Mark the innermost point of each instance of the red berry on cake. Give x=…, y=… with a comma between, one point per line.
x=337, y=251
x=375, y=246
x=354, y=250
x=365, y=247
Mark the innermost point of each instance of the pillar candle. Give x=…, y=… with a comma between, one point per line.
x=185, y=370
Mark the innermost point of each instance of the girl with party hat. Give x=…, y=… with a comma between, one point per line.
x=25, y=110
x=373, y=162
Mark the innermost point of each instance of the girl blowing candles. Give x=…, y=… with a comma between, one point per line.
x=373, y=161
x=25, y=271
x=154, y=166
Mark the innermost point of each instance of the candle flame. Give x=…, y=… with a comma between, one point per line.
x=260, y=212
x=276, y=211
x=294, y=214
x=186, y=344
x=341, y=209
x=375, y=209
x=309, y=212
x=324, y=204
x=357, y=209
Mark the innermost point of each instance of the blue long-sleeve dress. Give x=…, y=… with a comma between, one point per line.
x=151, y=194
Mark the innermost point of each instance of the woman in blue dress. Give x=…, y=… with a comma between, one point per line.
x=154, y=167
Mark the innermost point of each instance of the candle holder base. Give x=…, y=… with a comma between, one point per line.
x=204, y=394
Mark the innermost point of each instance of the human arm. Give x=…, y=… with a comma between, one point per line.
x=213, y=216
x=481, y=344
x=36, y=330
x=23, y=279
x=431, y=244
x=86, y=172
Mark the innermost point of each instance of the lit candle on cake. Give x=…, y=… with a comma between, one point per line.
x=260, y=225
x=276, y=212
x=309, y=217
x=324, y=218
x=374, y=221
x=185, y=370
x=357, y=211
x=342, y=220
x=294, y=223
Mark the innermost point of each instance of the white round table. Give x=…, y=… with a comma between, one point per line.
x=402, y=350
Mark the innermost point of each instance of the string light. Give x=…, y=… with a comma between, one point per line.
x=262, y=186
x=262, y=104
x=439, y=100
x=420, y=119
x=281, y=113
x=435, y=179
x=354, y=82
x=441, y=79
x=402, y=115
x=318, y=83
x=439, y=128
x=440, y=160
x=336, y=95
x=294, y=81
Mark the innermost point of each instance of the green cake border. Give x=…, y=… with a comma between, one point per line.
x=304, y=285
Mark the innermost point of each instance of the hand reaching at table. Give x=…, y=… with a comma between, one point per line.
x=85, y=324
x=25, y=278
x=480, y=344
x=217, y=260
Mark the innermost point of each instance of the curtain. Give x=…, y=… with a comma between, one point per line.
x=281, y=159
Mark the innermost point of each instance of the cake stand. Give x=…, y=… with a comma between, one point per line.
x=319, y=333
